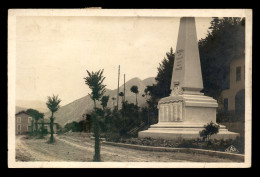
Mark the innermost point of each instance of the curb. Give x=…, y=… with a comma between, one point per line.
x=239, y=157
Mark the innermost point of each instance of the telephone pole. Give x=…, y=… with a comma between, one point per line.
x=124, y=87
x=118, y=86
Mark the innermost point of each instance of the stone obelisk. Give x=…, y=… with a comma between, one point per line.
x=184, y=113
x=187, y=70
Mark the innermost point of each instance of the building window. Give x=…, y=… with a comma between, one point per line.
x=18, y=119
x=238, y=73
x=19, y=127
x=29, y=119
x=225, y=104
x=29, y=128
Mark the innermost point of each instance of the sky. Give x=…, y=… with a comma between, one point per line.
x=53, y=53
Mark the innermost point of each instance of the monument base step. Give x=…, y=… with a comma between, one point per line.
x=182, y=125
x=184, y=133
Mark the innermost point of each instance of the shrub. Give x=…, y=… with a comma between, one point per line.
x=114, y=137
x=209, y=130
x=186, y=144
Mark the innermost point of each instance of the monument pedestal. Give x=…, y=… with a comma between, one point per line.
x=187, y=110
x=183, y=116
x=180, y=130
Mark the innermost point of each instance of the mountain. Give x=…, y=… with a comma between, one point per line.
x=34, y=104
x=74, y=110
x=149, y=81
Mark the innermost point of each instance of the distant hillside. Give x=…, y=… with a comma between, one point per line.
x=34, y=104
x=149, y=81
x=74, y=110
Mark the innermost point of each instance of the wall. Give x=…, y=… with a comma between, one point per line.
x=24, y=123
x=235, y=86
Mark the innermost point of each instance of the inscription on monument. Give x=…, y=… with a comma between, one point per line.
x=175, y=112
x=171, y=112
x=179, y=111
x=179, y=58
x=171, y=117
x=166, y=113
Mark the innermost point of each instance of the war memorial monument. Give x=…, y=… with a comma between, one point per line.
x=185, y=112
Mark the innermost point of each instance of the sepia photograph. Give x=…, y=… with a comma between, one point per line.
x=132, y=88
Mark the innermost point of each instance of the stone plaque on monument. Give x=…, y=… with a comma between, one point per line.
x=184, y=113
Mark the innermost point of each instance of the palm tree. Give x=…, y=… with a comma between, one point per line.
x=134, y=89
x=53, y=105
x=104, y=101
x=113, y=98
x=95, y=82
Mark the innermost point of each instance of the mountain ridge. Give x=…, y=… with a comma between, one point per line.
x=73, y=111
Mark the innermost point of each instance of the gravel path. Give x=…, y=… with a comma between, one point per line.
x=81, y=149
x=32, y=154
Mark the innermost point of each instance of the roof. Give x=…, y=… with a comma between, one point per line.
x=22, y=112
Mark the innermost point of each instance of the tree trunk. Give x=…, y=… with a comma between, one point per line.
x=148, y=117
x=42, y=132
x=136, y=100
x=97, y=140
x=36, y=127
x=51, y=126
x=95, y=104
x=32, y=128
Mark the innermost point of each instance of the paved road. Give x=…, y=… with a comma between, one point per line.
x=80, y=148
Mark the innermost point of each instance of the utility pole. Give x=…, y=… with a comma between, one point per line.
x=118, y=86
x=124, y=87
x=124, y=103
